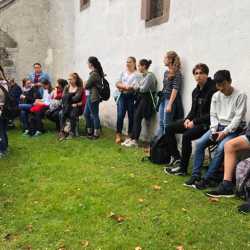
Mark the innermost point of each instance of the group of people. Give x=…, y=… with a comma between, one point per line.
x=217, y=115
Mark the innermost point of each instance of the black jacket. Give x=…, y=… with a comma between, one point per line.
x=31, y=95
x=201, y=100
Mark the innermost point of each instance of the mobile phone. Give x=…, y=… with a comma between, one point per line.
x=215, y=136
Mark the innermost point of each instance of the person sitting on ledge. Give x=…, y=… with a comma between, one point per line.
x=227, y=115
x=194, y=125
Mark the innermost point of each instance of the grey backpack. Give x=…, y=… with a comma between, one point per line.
x=243, y=179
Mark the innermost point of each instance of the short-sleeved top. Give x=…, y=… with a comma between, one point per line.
x=129, y=79
x=170, y=84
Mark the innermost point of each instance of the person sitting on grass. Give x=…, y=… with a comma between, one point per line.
x=194, y=125
x=56, y=103
x=227, y=115
x=144, y=106
x=231, y=148
x=29, y=94
x=71, y=106
x=39, y=108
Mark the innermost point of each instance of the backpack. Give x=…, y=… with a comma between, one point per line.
x=9, y=108
x=159, y=153
x=104, y=89
x=243, y=179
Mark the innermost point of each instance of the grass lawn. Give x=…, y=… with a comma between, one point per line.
x=71, y=195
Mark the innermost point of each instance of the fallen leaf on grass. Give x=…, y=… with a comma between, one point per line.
x=156, y=187
x=180, y=248
x=117, y=218
x=85, y=243
x=8, y=237
x=141, y=200
x=138, y=248
x=29, y=247
x=29, y=228
x=184, y=210
x=213, y=199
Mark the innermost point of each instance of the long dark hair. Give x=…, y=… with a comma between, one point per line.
x=97, y=65
x=146, y=63
x=78, y=79
x=47, y=83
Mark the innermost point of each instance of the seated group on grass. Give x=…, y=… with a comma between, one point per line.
x=217, y=115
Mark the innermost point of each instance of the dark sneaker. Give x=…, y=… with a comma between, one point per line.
x=221, y=191
x=244, y=208
x=192, y=181
x=202, y=184
x=177, y=171
x=174, y=162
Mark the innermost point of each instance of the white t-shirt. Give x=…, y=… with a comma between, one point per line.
x=46, y=97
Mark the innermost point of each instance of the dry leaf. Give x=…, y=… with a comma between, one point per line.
x=85, y=243
x=180, y=248
x=156, y=187
x=213, y=199
x=138, y=248
x=184, y=210
x=29, y=247
x=8, y=237
x=141, y=200
x=29, y=228
x=117, y=218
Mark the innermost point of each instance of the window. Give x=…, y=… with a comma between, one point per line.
x=155, y=12
x=84, y=4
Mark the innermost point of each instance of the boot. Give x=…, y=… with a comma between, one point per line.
x=118, y=138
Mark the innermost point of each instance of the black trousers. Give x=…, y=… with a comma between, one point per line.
x=143, y=109
x=54, y=117
x=72, y=115
x=36, y=120
x=188, y=136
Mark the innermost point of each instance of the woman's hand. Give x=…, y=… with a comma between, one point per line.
x=169, y=108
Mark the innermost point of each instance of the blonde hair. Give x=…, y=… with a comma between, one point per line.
x=176, y=62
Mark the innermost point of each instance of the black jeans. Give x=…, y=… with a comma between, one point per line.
x=3, y=135
x=188, y=136
x=36, y=123
x=54, y=117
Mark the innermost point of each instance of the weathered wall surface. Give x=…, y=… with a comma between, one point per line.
x=27, y=23
x=212, y=31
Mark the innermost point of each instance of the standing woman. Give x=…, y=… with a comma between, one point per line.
x=91, y=111
x=171, y=103
x=144, y=107
x=125, y=97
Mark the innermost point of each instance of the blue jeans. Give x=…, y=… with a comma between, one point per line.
x=214, y=165
x=165, y=117
x=3, y=135
x=24, y=115
x=125, y=104
x=91, y=114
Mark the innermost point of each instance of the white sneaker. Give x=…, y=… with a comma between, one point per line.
x=26, y=132
x=132, y=143
x=126, y=142
x=37, y=133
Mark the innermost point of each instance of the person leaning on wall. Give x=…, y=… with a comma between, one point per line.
x=125, y=97
x=145, y=103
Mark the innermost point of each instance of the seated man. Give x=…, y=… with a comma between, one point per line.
x=194, y=125
x=231, y=148
x=227, y=116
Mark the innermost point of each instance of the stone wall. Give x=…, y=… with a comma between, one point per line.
x=27, y=23
x=211, y=31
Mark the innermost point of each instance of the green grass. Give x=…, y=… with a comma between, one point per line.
x=58, y=195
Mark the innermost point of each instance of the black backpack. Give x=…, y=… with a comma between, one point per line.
x=159, y=153
x=9, y=108
x=104, y=90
